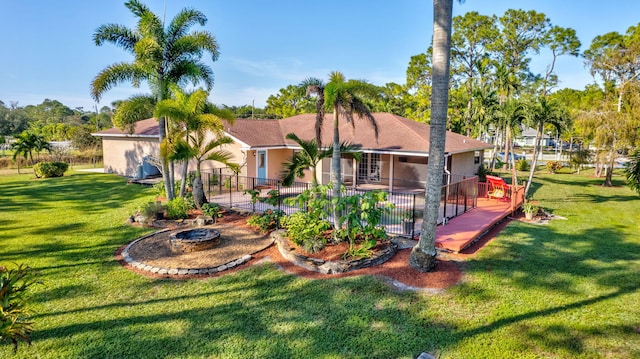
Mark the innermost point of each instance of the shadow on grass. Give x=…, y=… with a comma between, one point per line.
x=315, y=319
x=538, y=259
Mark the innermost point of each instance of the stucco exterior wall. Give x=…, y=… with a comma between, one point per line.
x=122, y=156
x=465, y=164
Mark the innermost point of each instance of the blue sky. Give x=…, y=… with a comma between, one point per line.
x=47, y=51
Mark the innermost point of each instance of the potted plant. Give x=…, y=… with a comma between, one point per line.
x=529, y=210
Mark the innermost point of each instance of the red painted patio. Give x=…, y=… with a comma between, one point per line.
x=463, y=230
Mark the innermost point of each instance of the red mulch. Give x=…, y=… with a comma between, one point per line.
x=448, y=272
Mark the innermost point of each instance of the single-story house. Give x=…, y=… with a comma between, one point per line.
x=528, y=138
x=396, y=159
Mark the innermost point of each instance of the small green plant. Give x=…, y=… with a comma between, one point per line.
x=50, y=169
x=15, y=285
x=178, y=208
x=360, y=251
x=212, y=210
x=307, y=230
x=267, y=221
x=528, y=207
x=523, y=165
x=152, y=210
x=554, y=166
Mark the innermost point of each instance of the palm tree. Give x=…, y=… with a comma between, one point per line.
x=198, y=121
x=346, y=100
x=632, y=171
x=544, y=111
x=309, y=157
x=423, y=254
x=162, y=56
x=26, y=143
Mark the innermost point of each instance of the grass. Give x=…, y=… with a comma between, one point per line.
x=565, y=290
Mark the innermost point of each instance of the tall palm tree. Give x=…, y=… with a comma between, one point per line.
x=201, y=133
x=423, y=254
x=346, y=100
x=309, y=157
x=162, y=56
x=540, y=112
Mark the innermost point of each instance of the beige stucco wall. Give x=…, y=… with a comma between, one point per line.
x=122, y=156
x=464, y=164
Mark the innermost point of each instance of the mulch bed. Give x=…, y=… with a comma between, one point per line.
x=448, y=272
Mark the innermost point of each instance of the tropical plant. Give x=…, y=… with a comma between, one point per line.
x=529, y=207
x=541, y=112
x=26, y=143
x=266, y=221
x=212, y=210
x=423, y=254
x=345, y=99
x=15, y=287
x=201, y=134
x=178, y=208
x=308, y=158
x=162, y=56
x=307, y=229
x=632, y=171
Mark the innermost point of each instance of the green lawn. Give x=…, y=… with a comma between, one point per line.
x=565, y=290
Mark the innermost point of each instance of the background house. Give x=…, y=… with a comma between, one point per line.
x=397, y=159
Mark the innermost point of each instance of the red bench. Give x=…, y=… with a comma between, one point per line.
x=497, y=188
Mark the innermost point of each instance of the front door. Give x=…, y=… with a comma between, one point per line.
x=261, y=159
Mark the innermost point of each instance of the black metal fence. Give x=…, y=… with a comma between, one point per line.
x=260, y=195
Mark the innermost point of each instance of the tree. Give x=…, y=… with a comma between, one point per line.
x=616, y=59
x=423, y=254
x=162, y=56
x=561, y=41
x=309, y=157
x=632, y=171
x=26, y=143
x=290, y=101
x=346, y=100
x=202, y=126
x=540, y=112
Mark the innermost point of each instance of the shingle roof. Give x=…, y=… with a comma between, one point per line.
x=396, y=133
x=144, y=128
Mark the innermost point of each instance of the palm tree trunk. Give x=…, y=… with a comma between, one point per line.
x=534, y=161
x=336, y=179
x=166, y=175
x=423, y=255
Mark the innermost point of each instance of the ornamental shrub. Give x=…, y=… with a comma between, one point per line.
x=178, y=208
x=553, y=166
x=522, y=165
x=50, y=169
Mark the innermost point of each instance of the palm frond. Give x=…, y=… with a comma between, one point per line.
x=113, y=75
x=118, y=35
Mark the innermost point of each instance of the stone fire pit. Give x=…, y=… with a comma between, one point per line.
x=193, y=240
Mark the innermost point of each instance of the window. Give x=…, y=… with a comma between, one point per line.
x=369, y=168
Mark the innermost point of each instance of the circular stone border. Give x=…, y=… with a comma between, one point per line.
x=330, y=267
x=177, y=271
